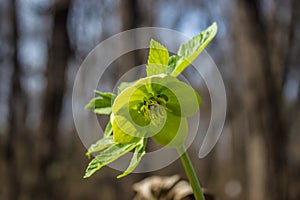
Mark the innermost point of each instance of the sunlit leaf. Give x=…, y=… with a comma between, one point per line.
x=158, y=59
x=153, y=69
x=190, y=50
x=103, y=111
x=107, y=156
x=139, y=152
x=100, y=145
x=172, y=63
x=107, y=95
x=108, y=129
x=98, y=102
x=101, y=104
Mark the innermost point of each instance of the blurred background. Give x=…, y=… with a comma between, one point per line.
x=43, y=43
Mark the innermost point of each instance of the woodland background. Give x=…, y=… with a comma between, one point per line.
x=43, y=42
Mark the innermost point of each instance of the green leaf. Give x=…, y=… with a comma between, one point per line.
x=158, y=53
x=103, y=111
x=101, y=104
x=158, y=59
x=98, y=102
x=107, y=156
x=190, y=50
x=139, y=152
x=100, y=145
x=108, y=129
x=172, y=63
x=107, y=95
x=153, y=69
x=103, y=142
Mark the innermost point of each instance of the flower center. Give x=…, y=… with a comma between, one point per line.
x=154, y=106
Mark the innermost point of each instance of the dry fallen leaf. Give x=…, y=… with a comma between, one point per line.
x=165, y=188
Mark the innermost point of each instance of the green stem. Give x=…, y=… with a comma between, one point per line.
x=190, y=172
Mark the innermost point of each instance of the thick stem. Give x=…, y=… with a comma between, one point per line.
x=190, y=172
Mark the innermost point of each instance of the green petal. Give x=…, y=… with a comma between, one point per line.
x=137, y=117
x=183, y=100
x=173, y=133
x=127, y=133
x=176, y=98
x=132, y=93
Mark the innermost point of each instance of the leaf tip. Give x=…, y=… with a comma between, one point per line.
x=214, y=28
x=87, y=107
x=86, y=176
x=214, y=24
x=88, y=154
x=120, y=176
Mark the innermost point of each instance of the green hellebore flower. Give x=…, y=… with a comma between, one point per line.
x=156, y=106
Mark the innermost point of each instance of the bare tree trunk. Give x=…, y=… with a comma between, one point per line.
x=16, y=115
x=293, y=109
x=129, y=14
x=263, y=104
x=133, y=15
x=53, y=101
x=130, y=19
